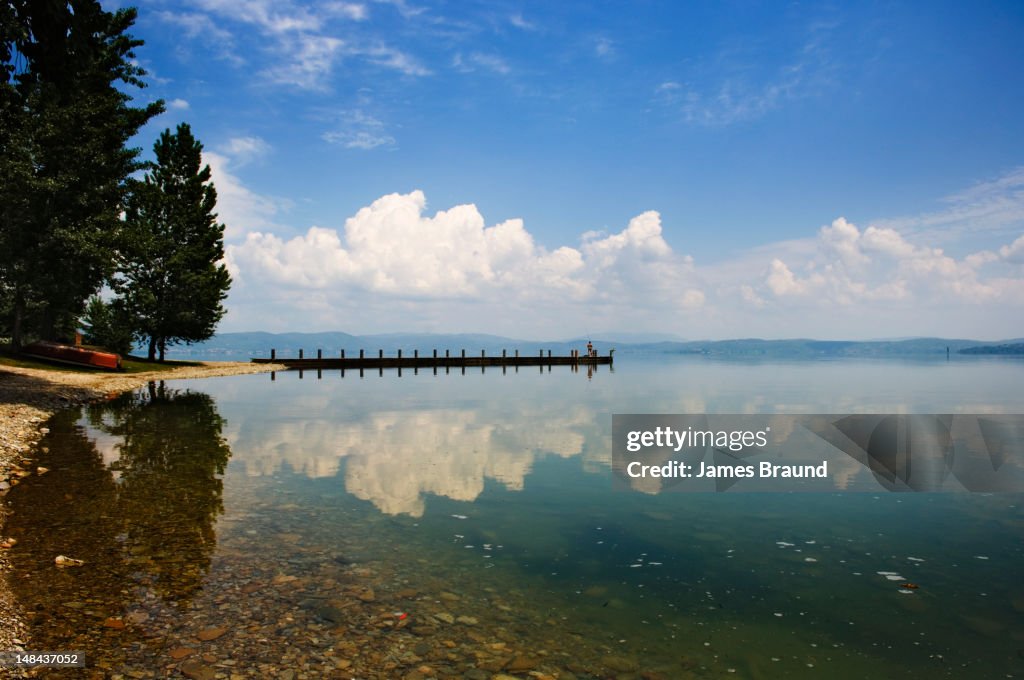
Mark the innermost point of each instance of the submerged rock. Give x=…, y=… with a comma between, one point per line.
x=195, y=670
x=211, y=633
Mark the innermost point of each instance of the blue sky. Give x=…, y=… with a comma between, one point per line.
x=709, y=170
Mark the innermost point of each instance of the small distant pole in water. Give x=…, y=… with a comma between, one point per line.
x=947, y=352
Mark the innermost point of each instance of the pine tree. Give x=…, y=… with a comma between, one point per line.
x=65, y=121
x=171, y=274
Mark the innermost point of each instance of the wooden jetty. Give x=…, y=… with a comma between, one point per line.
x=435, y=360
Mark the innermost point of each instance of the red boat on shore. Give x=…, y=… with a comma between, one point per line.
x=76, y=356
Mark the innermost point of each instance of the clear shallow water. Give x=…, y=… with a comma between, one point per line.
x=254, y=526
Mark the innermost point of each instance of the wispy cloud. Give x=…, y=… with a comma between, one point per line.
x=384, y=55
x=311, y=59
x=359, y=130
x=306, y=42
x=521, y=23
x=478, y=60
x=994, y=206
x=241, y=209
x=406, y=9
x=202, y=27
x=272, y=16
x=244, y=150
x=735, y=86
x=177, y=105
x=604, y=48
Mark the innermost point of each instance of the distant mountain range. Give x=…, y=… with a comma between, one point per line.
x=240, y=346
x=1011, y=348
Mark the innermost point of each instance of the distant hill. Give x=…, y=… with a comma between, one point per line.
x=240, y=346
x=828, y=348
x=1013, y=348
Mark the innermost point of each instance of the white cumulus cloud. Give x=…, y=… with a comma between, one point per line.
x=395, y=249
x=878, y=263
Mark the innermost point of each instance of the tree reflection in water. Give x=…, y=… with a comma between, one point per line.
x=143, y=524
x=169, y=492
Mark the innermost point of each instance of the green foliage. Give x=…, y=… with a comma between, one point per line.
x=65, y=122
x=171, y=275
x=107, y=324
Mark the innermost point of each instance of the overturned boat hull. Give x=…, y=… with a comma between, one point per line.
x=75, y=356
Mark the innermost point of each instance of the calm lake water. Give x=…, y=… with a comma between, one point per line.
x=463, y=525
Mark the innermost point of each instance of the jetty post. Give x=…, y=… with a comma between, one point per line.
x=319, y=354
x=300, y=353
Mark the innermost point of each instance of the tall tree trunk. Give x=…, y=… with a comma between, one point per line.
x=19, y=316
x=163, y=346
x=47, y=328
x=152, y=349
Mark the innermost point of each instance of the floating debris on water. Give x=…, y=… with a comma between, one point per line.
x=891, y=575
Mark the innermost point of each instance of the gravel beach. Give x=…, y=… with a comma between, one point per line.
x=28, y=397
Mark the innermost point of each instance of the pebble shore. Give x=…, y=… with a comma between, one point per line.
x=28, y=397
